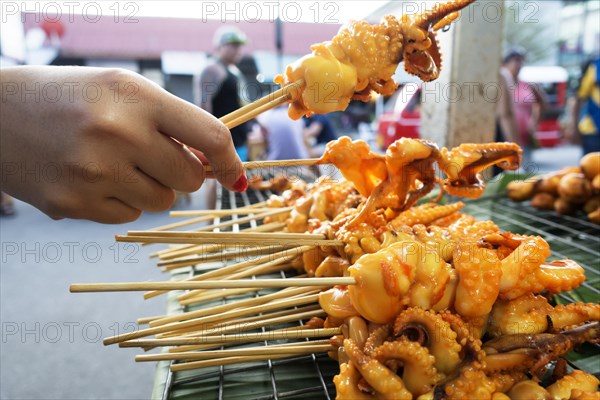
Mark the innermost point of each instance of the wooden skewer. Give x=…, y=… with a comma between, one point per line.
x=262, y=240
x=257, y=111
x=265, y=262
x=249, y=324
x=147, y=320
x=307, y=162
x=183, y=223
x=246, y=113
x=273, y=259
x=215, y=294
x=289, y=292
x=187, y=250
x=231, y=360
x=225, y=224
x=263, y=269
x=218, y=318
x=244, y=283
x=216, y=346
x=252, y=351
x=220, y=213
x=223, y=293
x=228, y=235
x=220, y=256
x=243, y=324
x=296, y=333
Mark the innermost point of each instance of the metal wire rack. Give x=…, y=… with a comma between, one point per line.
x=312, y=376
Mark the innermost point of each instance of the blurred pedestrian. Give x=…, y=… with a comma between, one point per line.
x=520, y=107
x=585, y=119
x=319, y=131
x=221, y=83
x=284, y=136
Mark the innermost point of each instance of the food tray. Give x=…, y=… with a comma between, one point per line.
x=312, y=376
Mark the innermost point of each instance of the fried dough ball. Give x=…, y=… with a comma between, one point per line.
x=543, y=201
x=590, y=165
x=575, y=188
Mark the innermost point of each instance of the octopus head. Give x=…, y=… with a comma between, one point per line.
x=421, y=54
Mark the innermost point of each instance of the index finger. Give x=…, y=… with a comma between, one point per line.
x=197, y=128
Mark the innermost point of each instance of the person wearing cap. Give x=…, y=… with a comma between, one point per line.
x=520, y=106
x=221, y=82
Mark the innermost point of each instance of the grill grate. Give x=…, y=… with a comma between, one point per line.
x=312, y=376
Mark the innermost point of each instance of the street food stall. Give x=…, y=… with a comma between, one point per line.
x=408, y=275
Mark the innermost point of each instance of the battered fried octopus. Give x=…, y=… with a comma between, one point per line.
x=429, y=355
x=407, y=172
x=362, y=58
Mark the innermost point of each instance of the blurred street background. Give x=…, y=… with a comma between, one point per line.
x=51, y=345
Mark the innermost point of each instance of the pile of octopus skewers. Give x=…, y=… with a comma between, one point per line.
x=434, y=304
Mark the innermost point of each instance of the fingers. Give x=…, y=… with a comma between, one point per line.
x=142, y=192
x=170, y=163
x=113, y=211
x=200, y=130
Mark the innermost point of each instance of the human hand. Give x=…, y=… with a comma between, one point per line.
x=105, y=144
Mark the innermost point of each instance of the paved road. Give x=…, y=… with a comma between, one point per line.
x=51, y=345
x=51, y=340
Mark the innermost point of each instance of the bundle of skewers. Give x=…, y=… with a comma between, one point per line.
x=414, y=299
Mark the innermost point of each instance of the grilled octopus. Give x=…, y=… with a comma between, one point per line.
x=362, y=58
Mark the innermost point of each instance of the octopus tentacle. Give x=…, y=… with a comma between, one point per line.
x=347, y=383
x=525, y=314
x=471, y=383
x=425, y=214
x=560, y=275
x=419, y=373
x=463, y=166
x=439, y=13
x=479, y=274
x=505, y=381
x=518, y=268
x=579, y=380
x=383, y=380
x=528, y=389
x=377, y=338
x=532, y=314
x=563, y=316
x=448, y=220
x=441, y=340
x=508, y=362
x=471, y=345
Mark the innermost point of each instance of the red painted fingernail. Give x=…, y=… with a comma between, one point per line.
x=242, y=184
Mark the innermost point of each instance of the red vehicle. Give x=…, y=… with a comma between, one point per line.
x=401, y=116
x=402, y=113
